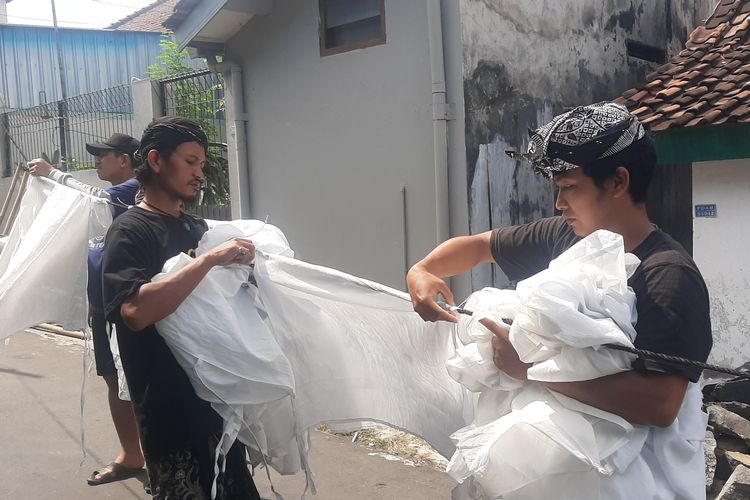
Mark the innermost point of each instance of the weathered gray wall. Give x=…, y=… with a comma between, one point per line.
x=720, y=251
x=526, y=61
x=332, y=140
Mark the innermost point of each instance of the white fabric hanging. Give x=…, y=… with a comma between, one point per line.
x=360, y=353
x=309, y=345
x=43, y=267
x=221, y=338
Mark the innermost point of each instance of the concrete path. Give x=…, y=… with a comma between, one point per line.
x=40, y=439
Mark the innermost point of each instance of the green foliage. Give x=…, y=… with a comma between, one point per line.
x=74, y=166
x=217, y=175
x=204, y=104
x=170, y=62
x=55, y=160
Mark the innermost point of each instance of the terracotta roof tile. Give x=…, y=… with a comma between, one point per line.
x=734, y=64
x=684, y=117
x=740, y=111
x=684, y=100
x=658, y=127
x=667, y=93
x=668, y=108
x=712, y=115
x=721, y=120
x=726, y=103
x=706, y=83
x=651, y=101
x=698, y=107
x=710, y=82
x=724, y=86
x=149, y=18
x=651, y=119
x=696, y=91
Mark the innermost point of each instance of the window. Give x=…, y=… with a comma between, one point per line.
x=351, y=24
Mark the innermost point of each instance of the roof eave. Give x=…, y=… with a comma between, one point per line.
x=213, y=21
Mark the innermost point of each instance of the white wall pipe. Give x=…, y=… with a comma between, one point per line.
x=239, y=168
x=440, y=116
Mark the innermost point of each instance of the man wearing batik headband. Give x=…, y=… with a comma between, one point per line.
x=179, y=431
x=602, y=163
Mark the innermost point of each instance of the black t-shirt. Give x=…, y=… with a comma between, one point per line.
x=179, y=431
x=138, y=244
x=671, y=296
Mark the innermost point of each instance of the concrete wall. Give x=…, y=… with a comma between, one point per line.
x=720, y=249
x=333, y=140
x=526, y=61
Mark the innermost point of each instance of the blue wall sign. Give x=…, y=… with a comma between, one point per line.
x=705, y=210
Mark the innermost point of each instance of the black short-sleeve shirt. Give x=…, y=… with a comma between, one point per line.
x=179, y=431
x=671, y=296
x=138, y=244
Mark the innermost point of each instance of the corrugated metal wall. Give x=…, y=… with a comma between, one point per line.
x=93, y=60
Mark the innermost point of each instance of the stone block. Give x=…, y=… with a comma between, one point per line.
x=738, y=485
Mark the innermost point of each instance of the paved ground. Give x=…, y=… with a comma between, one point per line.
x=40, y=439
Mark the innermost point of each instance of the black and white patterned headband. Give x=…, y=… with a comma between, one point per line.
x=580, y=137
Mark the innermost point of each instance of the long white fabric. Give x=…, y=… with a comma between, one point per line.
x=43, y=268
x=529, y=442
x=309, y=345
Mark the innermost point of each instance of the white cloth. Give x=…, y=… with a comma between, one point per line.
x=43, y=267
x=360, y=353
x=123, y=392
x=529, y=442
x=221, y=338
x=309, y=345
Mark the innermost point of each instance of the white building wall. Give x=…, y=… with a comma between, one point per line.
x=333, y=140
x=721, y=251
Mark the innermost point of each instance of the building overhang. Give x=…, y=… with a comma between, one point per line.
x=729, y=141
x=213, y=22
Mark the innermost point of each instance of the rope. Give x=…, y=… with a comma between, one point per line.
x=676, y=360
x=641, y=353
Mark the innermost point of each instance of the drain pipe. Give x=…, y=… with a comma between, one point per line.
x=239, y=168
x=440, y=116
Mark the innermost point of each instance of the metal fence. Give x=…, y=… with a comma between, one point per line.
x=200, y=97
x=60, y=130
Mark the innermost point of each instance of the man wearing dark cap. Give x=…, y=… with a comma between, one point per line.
x=601, y=163
x=115, y=164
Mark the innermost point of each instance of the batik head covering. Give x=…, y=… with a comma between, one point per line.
x=580, y=137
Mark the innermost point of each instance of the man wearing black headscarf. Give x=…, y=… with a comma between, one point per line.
x=601, y=162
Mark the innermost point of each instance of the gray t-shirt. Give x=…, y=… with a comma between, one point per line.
x=671, y=296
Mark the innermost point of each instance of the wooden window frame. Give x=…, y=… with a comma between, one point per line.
x=325, y=51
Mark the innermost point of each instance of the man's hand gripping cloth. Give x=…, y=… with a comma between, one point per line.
x=528, y=441
x=221, y=337
x=43, y=268
x=309, y=345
